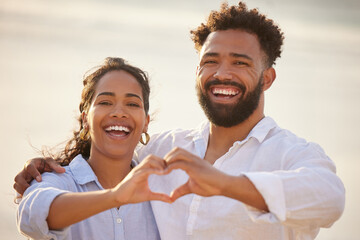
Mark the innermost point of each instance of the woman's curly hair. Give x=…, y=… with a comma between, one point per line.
x=239, y=17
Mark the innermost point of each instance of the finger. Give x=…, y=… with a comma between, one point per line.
x=160, y=197
x=141, y=175
x=153, y=161
x=148, y=171
x=31, y=172
x=180, y=191
x=180, y=154
x=20, y=188
x=21, y=184
x=180, y=164
x=174, y=158
x=175, y=151
x=17, y=198
x=52, y=165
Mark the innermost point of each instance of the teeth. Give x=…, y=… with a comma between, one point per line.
x=117, y=128
x=225, y=91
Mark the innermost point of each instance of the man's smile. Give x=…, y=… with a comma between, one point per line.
x=224, y=93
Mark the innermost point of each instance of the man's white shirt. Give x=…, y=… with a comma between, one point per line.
x=295, y=177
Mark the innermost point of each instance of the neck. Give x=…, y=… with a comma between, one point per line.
x=109, y=171
x=221, y=139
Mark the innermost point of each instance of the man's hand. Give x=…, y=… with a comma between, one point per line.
x=204, y=179
x=32, y=170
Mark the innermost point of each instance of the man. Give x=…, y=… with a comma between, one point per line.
x=238, y=176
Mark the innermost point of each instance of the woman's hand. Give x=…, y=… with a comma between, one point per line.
x=134, y=187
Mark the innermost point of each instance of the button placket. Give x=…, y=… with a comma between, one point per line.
x=194, y=206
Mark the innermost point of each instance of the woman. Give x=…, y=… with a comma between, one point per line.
x=102, y=193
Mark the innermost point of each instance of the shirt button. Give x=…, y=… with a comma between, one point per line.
x=118, y=220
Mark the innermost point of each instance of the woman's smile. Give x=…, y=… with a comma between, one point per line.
x=118, y=131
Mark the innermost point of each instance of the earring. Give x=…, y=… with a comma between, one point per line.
x=147, y=138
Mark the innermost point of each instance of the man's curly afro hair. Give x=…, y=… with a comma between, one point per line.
x=239, y=17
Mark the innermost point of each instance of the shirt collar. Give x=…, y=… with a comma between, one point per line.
x=262, y=129
x=83, y=173
x=259, y=132
x=201, y=132
x=81, y=170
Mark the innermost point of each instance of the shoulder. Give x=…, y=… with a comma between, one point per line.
x=52, y=182
x=54, y=179
x=291, y=141
x=66, y=180
x=169, y=135
x=178, y=135
x=292, y=147
x=162, y=143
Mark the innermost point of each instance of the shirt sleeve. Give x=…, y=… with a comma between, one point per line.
x=306, y=193
x=34, y=208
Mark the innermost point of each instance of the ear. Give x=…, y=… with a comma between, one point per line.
x=269, y=76
x=197, y=70
x=147, y=121
x=84, y=119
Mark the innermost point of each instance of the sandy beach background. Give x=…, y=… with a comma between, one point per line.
x=47, y=46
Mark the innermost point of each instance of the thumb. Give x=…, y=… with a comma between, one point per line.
x=57, y=168
x=53, y=165
x=161, y=197
x=180, y=191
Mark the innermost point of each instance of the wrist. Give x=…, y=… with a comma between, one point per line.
x=237, y=187
x=228, y=184
x=117, y=197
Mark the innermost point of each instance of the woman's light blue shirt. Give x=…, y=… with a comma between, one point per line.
x=132, y=221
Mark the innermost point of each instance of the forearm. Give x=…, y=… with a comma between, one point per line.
x=242, y=189
x=300, y=197
x=70, y=208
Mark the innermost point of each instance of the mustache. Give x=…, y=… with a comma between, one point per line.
x=228, y=83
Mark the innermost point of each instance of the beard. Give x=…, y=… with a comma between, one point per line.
x=225, y=115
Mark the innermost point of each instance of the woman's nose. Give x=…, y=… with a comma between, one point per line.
x=119, y=112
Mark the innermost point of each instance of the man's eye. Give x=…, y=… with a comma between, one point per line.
x=241, y=63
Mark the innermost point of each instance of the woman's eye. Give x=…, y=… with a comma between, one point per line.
x=105, y=103
x=209, y=62
x=133, y=105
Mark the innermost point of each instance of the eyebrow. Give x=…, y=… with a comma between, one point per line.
x=106, y=94
x=133, y=95
x=237, y=55
x=113, y=95
x=211, y=54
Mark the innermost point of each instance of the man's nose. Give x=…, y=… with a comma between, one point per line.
x=223, y=73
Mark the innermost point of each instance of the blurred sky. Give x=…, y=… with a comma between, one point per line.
x=47, y=46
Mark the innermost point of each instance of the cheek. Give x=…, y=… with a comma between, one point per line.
x=201, y=79
x=198, y=83
x=252, y=77
x=94, y=118
x=204, y=73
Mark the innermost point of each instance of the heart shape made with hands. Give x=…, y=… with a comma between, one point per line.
x=170, y=183
x=183, y=173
